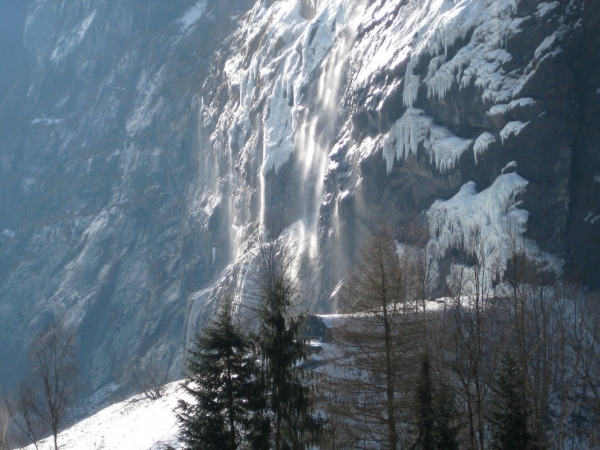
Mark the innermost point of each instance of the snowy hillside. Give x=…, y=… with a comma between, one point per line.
x=133, y=424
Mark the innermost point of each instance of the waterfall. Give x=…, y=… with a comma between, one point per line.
x=318, y=127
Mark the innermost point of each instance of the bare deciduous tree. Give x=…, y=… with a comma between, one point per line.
x=23, y=415
x=381, y=339
x=4, y=423
x=44, y=398
x=471, y=334
x=149, y=378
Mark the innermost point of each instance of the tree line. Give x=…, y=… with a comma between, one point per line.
x=507, y=359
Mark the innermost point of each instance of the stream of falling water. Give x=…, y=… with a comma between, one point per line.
x=319, y=127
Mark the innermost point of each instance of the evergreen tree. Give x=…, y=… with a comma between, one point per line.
x=425, y=408
x=436, y=413
x=509, y=418
x=221, y=379
x=446, y=418
x=293, y=425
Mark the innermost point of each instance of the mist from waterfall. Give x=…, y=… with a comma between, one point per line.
x=316, y=135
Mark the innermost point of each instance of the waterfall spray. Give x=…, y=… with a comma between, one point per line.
x=319, y=124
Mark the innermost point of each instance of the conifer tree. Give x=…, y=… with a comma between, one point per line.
x=221, y=380
x=446, y=419
x=509, y=418
x=425, y=408
x=287, y=419
x=293, y=425
x=436, y=412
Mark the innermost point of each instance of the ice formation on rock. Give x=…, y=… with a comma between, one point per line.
x=482, y=143
x=415, y=128
x=477, y=220
x=484, y=222
x=512, y=129
x=435, y=46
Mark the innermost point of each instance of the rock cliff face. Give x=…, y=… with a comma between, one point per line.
x=147, y=143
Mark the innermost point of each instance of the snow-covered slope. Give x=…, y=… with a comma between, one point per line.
x=134, y=424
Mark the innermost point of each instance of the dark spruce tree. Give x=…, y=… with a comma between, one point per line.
x=293, y=424
x=221, y=379
x=425, y=410
x=436, y=412
x=446, y=419
x=509, y=416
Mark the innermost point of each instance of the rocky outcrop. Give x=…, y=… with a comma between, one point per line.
x=147, y=144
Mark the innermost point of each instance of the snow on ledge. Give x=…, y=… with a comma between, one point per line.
x=67, y=42
x=545, y=46
x=591, y=218
x=501, y=109
x=510, y=165
x=46, y=121
x=8, y=233
x=545, y=7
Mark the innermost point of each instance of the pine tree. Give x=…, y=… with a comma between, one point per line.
x=293, y=425
x=221, y=380
x=509, y=417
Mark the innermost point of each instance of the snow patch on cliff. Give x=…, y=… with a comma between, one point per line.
x=192, y=15
x=8, y=233
x=46, y=121
x=591, y=218
x=67, y=42
x=547, y=44
x=545, y=7
x=147, y=105
x=503, y=108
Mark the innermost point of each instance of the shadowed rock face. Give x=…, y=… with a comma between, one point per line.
x=145, y=142
x=98, y=162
